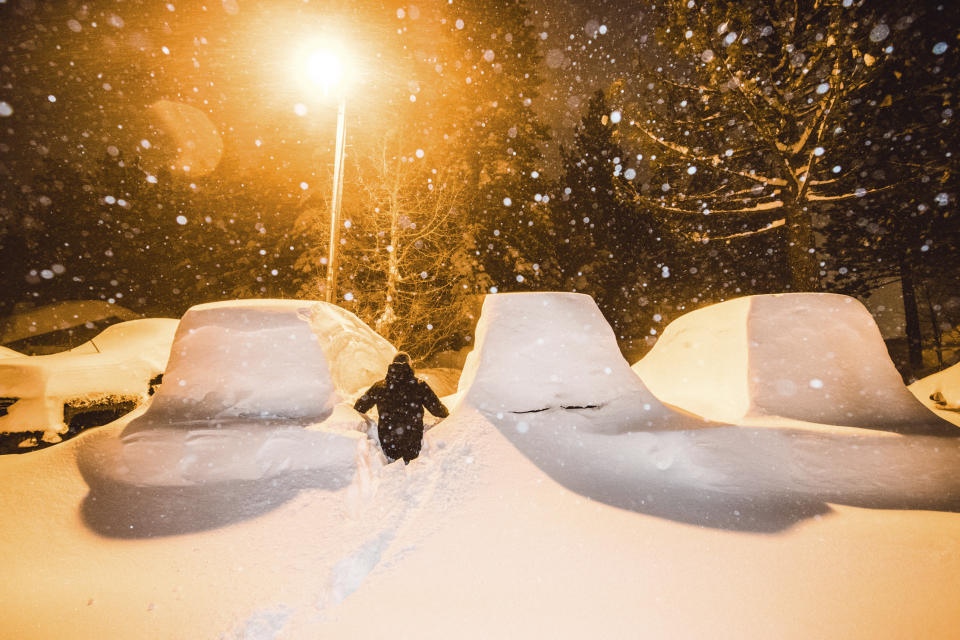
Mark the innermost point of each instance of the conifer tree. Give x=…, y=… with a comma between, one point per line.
x=910, y=232
x=493, y=74
x=605, y=246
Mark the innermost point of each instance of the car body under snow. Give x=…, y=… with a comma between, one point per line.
x=43, y=398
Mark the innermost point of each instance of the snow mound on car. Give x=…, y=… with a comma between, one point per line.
x=144, y=336
x=552, y=351
x=253, y=392
x=357, y=355
x=264, y=360
x=813, y=357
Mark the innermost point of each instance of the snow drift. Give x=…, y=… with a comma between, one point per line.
x=9, y=353
x=472, y=527
x=555, y=351
x=812, y=357
x=547, y=373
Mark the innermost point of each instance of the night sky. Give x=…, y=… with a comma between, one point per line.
x=211, y=91
x=78, y=80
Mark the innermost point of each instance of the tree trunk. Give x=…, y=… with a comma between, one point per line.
x=384, y=322
x=393, y=265
x=911, y=317
x=389, y=316
x=801, y=257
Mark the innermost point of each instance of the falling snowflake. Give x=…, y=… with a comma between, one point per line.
x=879, y=32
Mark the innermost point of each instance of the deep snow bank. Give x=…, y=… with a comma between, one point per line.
x=357, y=355
x=737, y=477
x=555, y=351
x=233, y=453
x=473, y=527
x=814, y=357
x=9, y=353
x=134, y=337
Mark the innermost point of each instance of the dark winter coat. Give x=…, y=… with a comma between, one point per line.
x=400, y=399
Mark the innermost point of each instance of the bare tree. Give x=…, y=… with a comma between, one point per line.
x=403, y=246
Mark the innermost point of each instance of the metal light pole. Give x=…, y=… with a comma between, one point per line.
x=335, y=199
x=323, y=68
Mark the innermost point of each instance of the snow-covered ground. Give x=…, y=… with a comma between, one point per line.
x=543, y=507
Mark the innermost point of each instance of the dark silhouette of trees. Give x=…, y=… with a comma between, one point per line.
x=608, y=247
x=746, y=108
x=908, y=232
x=493, y=72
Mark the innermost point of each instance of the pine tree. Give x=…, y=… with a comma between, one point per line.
x=909, y=232
x=606, y=247
x=494, y=81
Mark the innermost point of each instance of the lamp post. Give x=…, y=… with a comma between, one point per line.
x=324, y=70
x=335, y=200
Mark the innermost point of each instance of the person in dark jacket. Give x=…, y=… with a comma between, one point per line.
x=400, y=399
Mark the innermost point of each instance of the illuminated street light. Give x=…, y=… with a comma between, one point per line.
x=324, y=70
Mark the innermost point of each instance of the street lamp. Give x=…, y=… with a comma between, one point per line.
x=324, y=71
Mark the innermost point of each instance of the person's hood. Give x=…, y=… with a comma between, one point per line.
x=400, y=372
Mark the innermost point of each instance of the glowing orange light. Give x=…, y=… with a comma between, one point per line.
x=324, y=69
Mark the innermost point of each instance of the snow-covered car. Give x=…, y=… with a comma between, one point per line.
x=46, y=398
